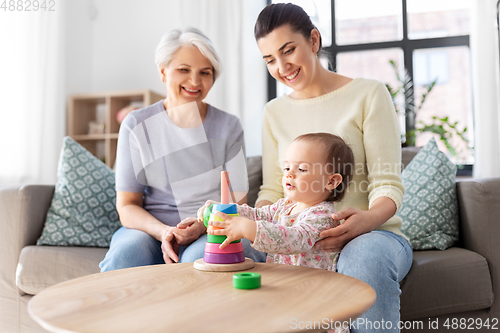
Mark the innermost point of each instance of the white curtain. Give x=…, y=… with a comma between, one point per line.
x=484, y=44
x=220, y=19
x=85, y=46
x=32, y=108
x=242, y=88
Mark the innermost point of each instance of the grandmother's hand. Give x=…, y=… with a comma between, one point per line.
x=357, y=222
x=188, y=230
x=169, y=246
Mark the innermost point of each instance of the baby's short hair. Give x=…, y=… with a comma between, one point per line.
x=339, y=158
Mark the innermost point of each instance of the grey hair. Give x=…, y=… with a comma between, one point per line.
x=175, y=39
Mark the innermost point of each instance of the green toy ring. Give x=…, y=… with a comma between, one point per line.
x=219, y=239
x=247, y=280
x=206, y=215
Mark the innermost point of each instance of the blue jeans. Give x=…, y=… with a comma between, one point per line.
x=132, y=248
x=381, y=259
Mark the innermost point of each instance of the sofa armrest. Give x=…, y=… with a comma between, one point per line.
x=22, y=212
x=22, y=215
x=479, y=202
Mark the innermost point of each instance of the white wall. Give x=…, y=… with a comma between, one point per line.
x=111, y=45
x=485, y=63
x=78, y=46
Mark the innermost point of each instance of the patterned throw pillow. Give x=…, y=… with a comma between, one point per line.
x=82, y=212
x=430, y=209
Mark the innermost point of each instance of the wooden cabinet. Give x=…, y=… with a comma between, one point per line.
x=92, y=120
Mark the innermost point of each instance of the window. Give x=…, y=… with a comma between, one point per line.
x=427, y=38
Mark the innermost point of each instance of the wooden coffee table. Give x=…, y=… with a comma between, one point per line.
x=179, y=298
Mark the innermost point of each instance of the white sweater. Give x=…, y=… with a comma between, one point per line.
x=362, y=113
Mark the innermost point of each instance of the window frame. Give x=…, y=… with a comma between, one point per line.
x=407, y=45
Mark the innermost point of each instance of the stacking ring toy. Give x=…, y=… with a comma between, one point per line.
x=219, y=239
x=232, y=257
x=206, y=214
x=247, y=280
x=230, y=248
x=223, y=258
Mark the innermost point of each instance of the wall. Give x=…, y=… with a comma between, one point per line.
x=78, y=46
x=111, y=44
x=485, y=60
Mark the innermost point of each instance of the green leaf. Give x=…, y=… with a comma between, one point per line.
x=442, y=127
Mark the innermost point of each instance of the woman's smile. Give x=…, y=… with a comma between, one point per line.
x=292, y=77
x=191, y=91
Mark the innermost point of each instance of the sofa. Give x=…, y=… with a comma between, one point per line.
x=457, y=289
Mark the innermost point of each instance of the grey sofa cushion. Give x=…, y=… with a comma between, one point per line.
x=451, y=281
x=40, y=267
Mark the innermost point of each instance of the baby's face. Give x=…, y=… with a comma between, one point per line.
x=305, y=177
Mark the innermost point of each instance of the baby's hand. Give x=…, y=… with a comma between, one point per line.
x=233, y=227
x=201, y=211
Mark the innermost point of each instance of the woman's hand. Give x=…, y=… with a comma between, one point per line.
x=188, y=230
x=169, y=246
x=234, y=228
x=356, y=222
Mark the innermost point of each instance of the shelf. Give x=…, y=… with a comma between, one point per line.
x=96, y=113
x=96, y=147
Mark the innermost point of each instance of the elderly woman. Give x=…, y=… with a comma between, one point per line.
x=169, y=159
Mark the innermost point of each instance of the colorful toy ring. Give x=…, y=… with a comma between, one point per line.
x=206, y=214
x=248, y=280
x=219, y=239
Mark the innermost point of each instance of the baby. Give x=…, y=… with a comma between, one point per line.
x=316, y=172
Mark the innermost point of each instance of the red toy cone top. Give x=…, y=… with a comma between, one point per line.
x=224, y=184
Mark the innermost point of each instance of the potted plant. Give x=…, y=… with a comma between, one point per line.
x=442, y=127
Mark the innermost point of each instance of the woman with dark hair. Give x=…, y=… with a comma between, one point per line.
x=373, y=249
